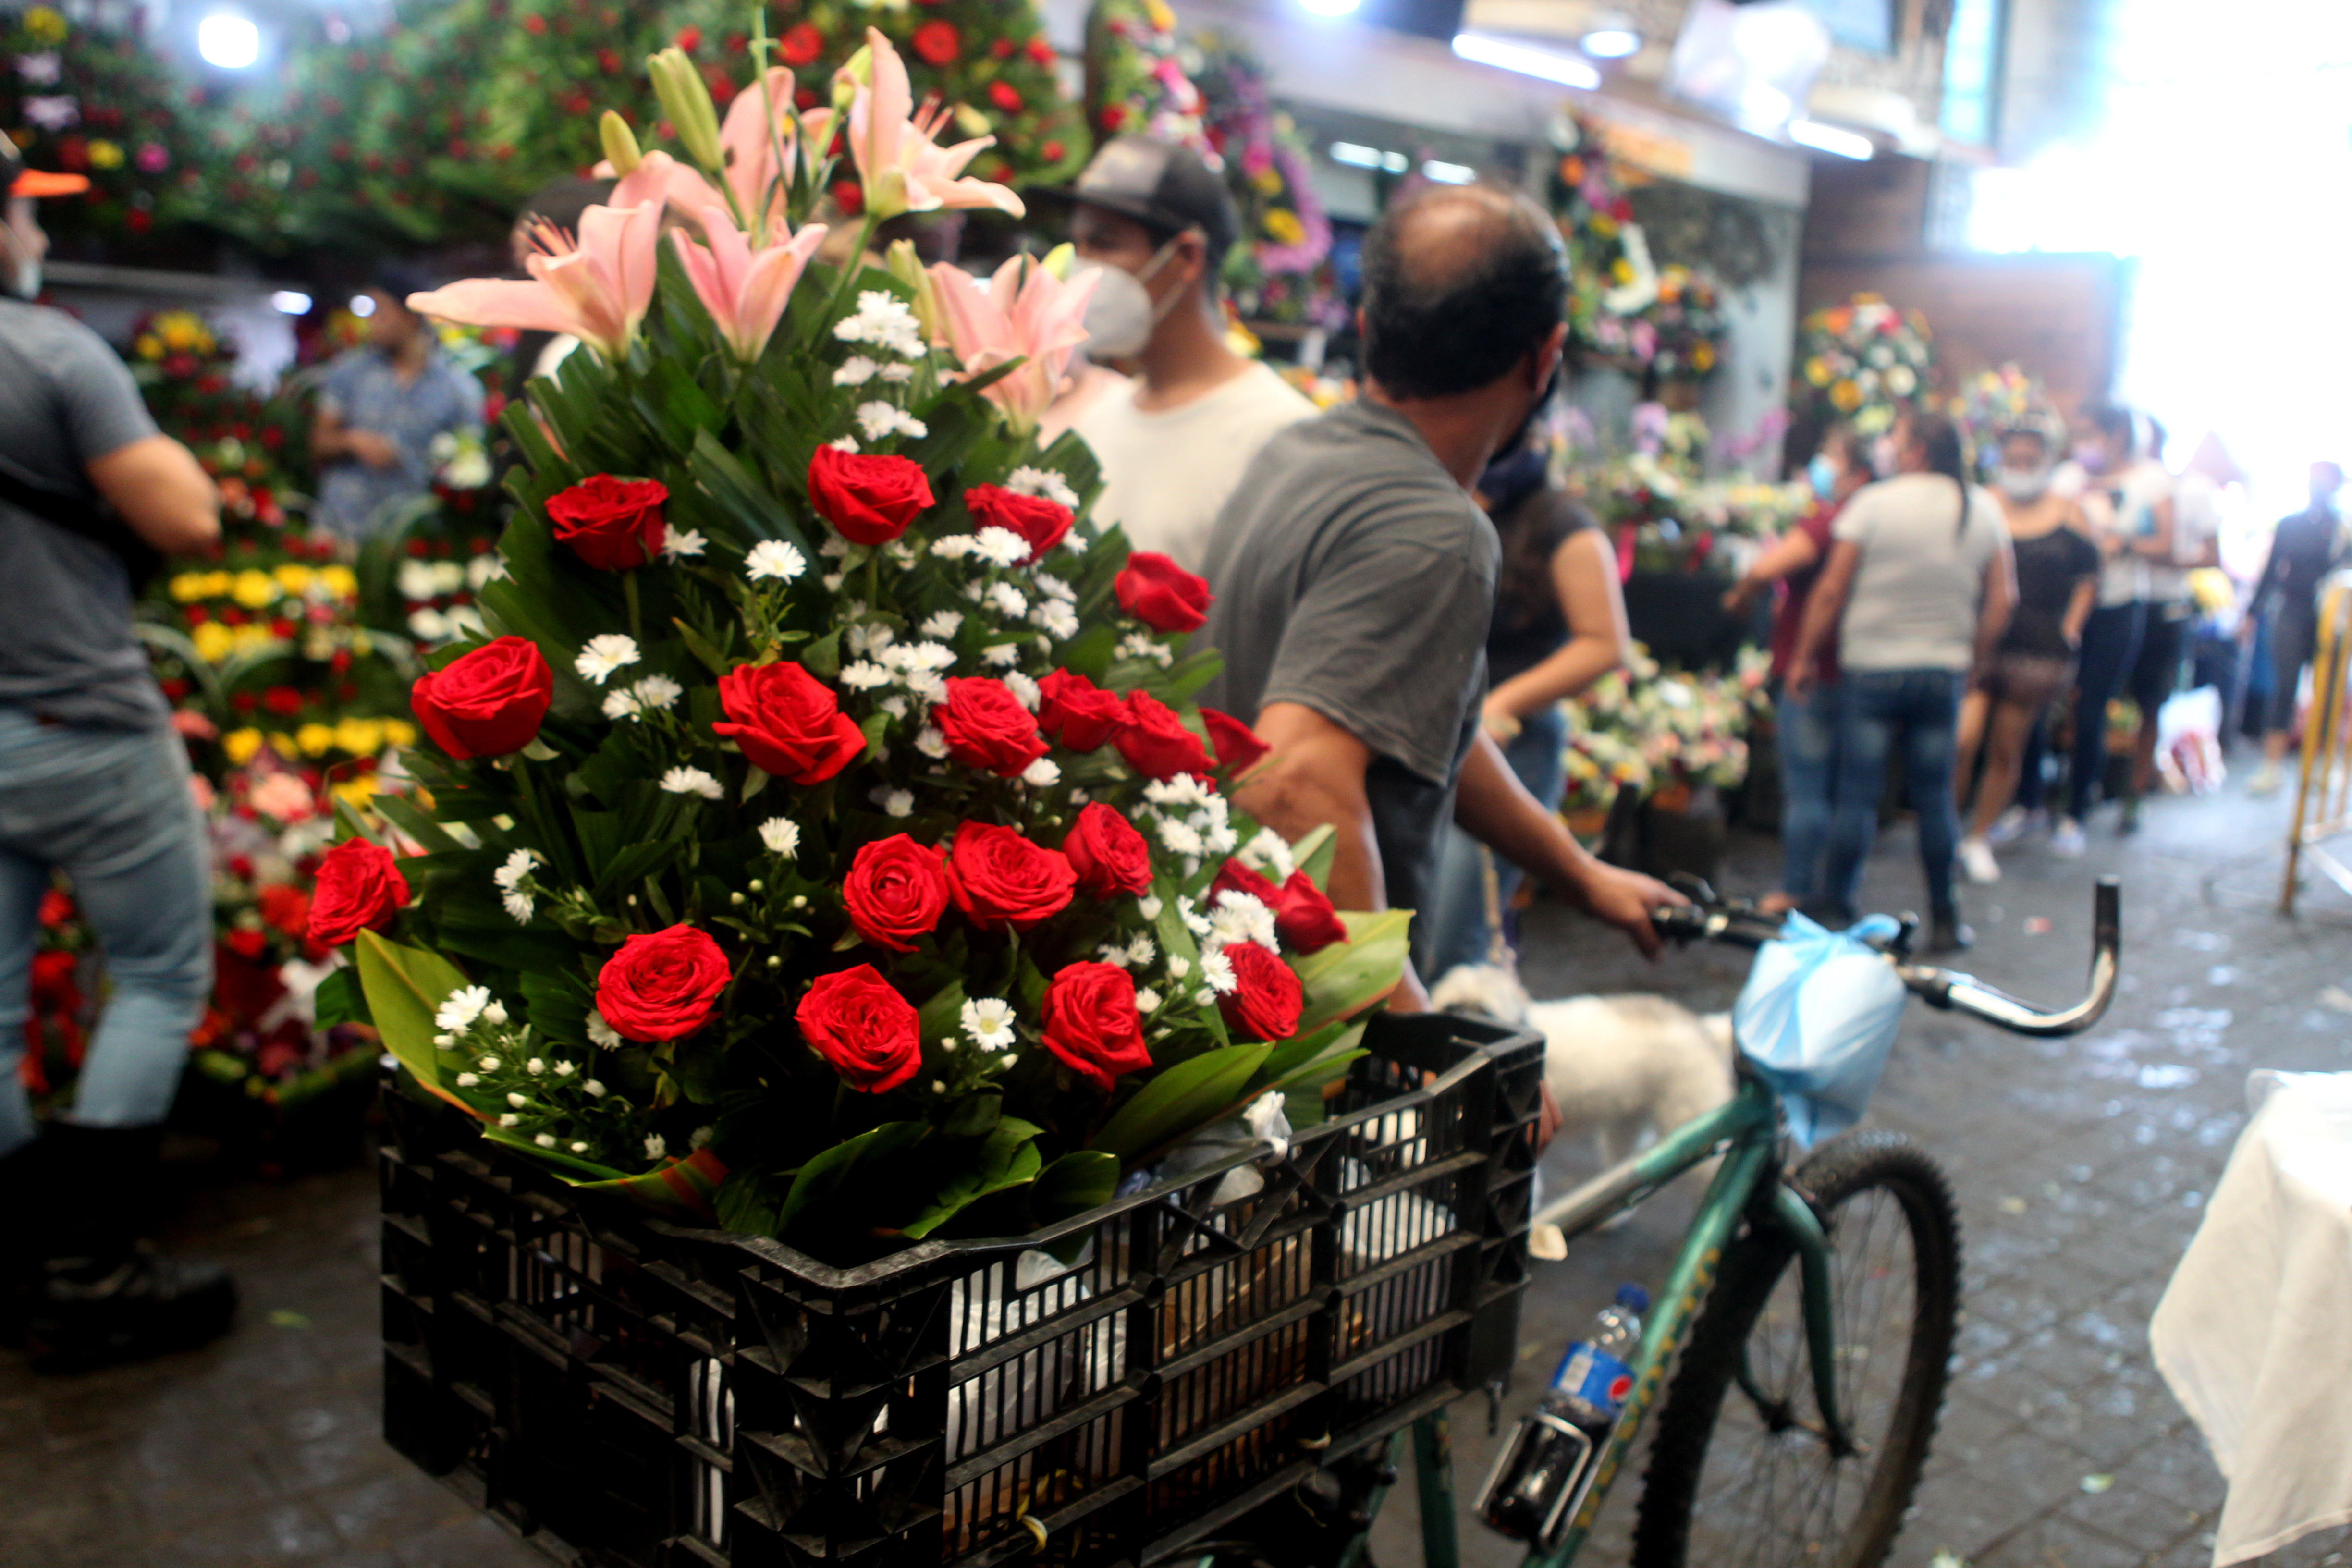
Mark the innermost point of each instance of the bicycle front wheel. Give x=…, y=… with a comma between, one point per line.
x=1742, y=1473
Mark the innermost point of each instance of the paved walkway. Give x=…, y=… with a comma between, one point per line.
x=2081, y=1168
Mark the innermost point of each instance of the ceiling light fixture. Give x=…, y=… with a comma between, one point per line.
x=362, y=305
x=1355, y=155
x=1446, y=174
x=1504, y=54
x=1830, y=139
x=1328, y=7
x=290, y=302
x=1611, y=43
x=228, y=40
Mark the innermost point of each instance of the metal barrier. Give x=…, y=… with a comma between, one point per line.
x=2323, y=796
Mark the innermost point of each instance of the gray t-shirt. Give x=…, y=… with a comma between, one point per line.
x=67, y=649
x=1921, y=579
x=1353, y=576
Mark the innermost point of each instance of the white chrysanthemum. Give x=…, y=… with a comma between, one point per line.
x=1113, y=953
x=427, y=624
x=1023, y=687
x=878, y=419
x=1147, y=1000
x=416, y=579
x=520, y=905
x=975, y=592
x=487, y=1064
x=658, y=691
x=1217, y=972
x=508, y=1119
x=929, y=656
x=1182, y=791
x=1052, y=587
x=1194, y=921
x=518, y=866
x=692, y=781
x=832, y=547
x=1148, y=906
x=468, y=1081
x=845, y=444
x=1240, y=916
x=1139, y=644
x=517, y=1099
x=1045, y=482
x=496, y=1013
x=898, y=374
x=536, y=1067
x=622, y=703
x=941, y=623
x=1141, y=950
x=855, y=370
x=461, y=1007
x=657, y=1146
x=1002, y=547
x=931, y=743
x=953, y=546
x=605, y=652
x=1181, y=839
x=883, y=321
x=782, y=836
x=1179, y=965
x=565, y=1069
x=926, y=686
x=867, y=636
x=683, y=543
x=895, y=706
x=773, y=560
x=898, y=803
x=1001, y=655
x=591, y=1086
x=1269, y=852
x=1009, y=601
x=1057, y=619
x=864, y=676
x=1043, y=773
x=989, y=1022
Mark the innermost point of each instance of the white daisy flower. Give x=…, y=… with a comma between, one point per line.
x=931, y=743
x=1141, y=950
x=605, y=652
x=782, y=836
x=898, y=803
x=658, y=691
x=1269, y=852
x=1001, y=656
x=864, y=676
x=692, y=781
x=657, y=1146
x=520, y=905
x=855, y=370
x=1113, y=953
x=1181, y=839
x=1002, y=547
x=1043, y=773
x=941, y=623
x=832, y=547
x=1045, y=482
x=878, y=419
x=602, y=1035
x=1217, y=974
x=496, y=1013
x=536, y=1067
x=466, y=1080
x=867, y=637
x=1148, y=906
x=975, y=592
x=954, y=546
x=518, y=866
x=1195, y=922
x=898, y=374
x=844, y=444
x=1240, y=916
x=773, y=560
x=1147, y=1000
x=1023, y=687
x=493, y=568
x=1139, y=645
x=445, y=1042
x=883, y=321
x=1179, y=965
x=1057, y=619
x=1052, y=587
x=1204, y=997
x=623, y=703
x=989, y=1022
x=461, y=1007
x=895, y=707
x=1008, y=600
x=683, y=543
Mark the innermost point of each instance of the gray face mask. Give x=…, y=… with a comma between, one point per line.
x=2022, y=484
x=1121, y=315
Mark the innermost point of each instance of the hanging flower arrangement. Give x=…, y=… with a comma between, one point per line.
x=1280, y=272
x=1135, y=81
x=1862, y=362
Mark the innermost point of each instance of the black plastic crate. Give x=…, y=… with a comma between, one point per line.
x=626, y=1392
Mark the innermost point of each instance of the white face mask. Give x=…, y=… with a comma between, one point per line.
x=1121, y=314
x=2022, y=484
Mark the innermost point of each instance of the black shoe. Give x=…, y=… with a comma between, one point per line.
x=89, y=1310
x=1950, y=933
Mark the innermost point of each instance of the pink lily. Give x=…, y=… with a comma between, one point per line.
x=745, y=289
x=747, y=140
x=903, y=167
x=1027, y=314
x=596, y=288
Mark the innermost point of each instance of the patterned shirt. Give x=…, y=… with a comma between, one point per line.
x=361, y=388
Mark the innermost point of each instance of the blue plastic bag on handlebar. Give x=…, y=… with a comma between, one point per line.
x=1817, y=1017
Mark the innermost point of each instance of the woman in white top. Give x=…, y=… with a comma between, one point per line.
x=1919, y=586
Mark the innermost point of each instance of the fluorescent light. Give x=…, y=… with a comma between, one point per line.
x=1355, y=155
x=1448, y=174
x=1328, y=7
x=1395, y=163
x=1611, y=43
x=1830, y=139
x=228, y=40
x=362, y=306
x=1488, y=50
x=292, y=302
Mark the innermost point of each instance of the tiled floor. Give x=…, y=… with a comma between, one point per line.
x=2080, y=1167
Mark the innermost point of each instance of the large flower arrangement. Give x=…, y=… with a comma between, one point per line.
x=1862, y=362
x=824, y=840
x=1655, y=732
x=1279, y=271
x=1135, y=80
x=1995, y=400
x=1595, y=217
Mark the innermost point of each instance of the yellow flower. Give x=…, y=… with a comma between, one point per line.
x=1163, y=20
x=44, y=26
x=184, y=329
x=1845, y=397
x=1702, y=356
x=1817, y=371
x=254, y=589
x=105, y=154
x=213, y=640
x=315, y=739
x=360, y=737
x=241, y=745
x=1282, y=227
x=1604, y=224
x=251, y=635
x=1621, y=272
x=293, y=576
x=1267, y=180
x=355, y=792
x=189, y=586
x=148, y=345
x=339, y=580
x=399, y=732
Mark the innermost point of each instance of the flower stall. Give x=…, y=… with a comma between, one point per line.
x=1650, y=751
x=1280, y=269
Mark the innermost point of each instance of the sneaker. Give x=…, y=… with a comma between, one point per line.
x=1947, y=933
x=2066, y=838
x=2014, y=824
x=2266, y=780
x=1976, y=859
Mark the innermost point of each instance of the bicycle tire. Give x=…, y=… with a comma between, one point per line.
x=1676, y=1494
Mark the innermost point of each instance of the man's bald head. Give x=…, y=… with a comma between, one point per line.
x=1461, y=283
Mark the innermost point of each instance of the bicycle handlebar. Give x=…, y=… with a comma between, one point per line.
x=1741, y=924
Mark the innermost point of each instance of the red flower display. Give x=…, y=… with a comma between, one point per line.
x=1238, y=747
x=987, y=727
x=1266, y=999
x=662, y=985
x=1161, y=595
x=868, y=499
x=1108, y=853
x=870, y=1033
x=1092, y=1023
x=1156, y=743
x=485, y=703
x=359, y=888
x=800, y=46
x=788, y=722
x=1040, y=521
x=936, y=43
x=1076, y=712
x=1304, y=919
x=612, y=524
x=896, y=891
x=1003, y=882
x=1005, y=96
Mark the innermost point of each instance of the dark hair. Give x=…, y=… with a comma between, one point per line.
x=2115, y=421
x=1842, y=441
x=561, y=202
x=1449, y=314
x=399, y=279
x=1948, y=454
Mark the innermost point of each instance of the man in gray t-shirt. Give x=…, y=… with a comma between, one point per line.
x=94, y=787
x=1354, y=578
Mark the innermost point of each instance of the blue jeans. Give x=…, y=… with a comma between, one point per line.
x=112, y=810
x=1806, y=729
x=1453, y=929
x=2110, y=648
x=1918, y=710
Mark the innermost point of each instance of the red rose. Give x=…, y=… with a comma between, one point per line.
x=612, y=524
x=1305, y=918
x=869, y=499
x=1266, y=998
x=358, y=888
x=1156, y=743
x=895, y=891
x=847, y=196
x=1002, y=94
x=1233, y=877
x=1002, y=881
x=287, y=909
x=662, y=986
x=800, y=46
x=1238, y=747
x=1161, y=594
x=869, y=1033
x=936, y=44
x=1076, y=712
x=987, y=727
x=788, y=722
x=1091, y=1022
x=1108, y=853
x=488, y=703
x=1040, y=521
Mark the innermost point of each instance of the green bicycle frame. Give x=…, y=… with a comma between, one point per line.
x=1747, y=1131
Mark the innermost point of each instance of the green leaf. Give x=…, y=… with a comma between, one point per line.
x=703, y=649
x=1181, y=1100
x=1080, y=1180
x=1006, y=1158
x=1315, y=851
x=405, y=987
x=1176, y=941
x=1349, y=976
x=1295, y=1052
x=822, y=1179
x=942, y=1015
x=338, y=1000
x=405, y=814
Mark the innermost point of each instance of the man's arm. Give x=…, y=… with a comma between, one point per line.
x=1999, y=601
x=162, y=491
x=330, y=440
x=1822, y=608
x=1492, y=806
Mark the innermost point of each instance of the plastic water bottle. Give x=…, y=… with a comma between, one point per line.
x=1538, y=1479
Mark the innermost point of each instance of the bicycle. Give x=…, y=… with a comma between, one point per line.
x=1821, y=1418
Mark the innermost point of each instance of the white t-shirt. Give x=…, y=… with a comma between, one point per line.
x=2124, y=507
x=1921, y=579
x=2195, y=522
x=1166, y=472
